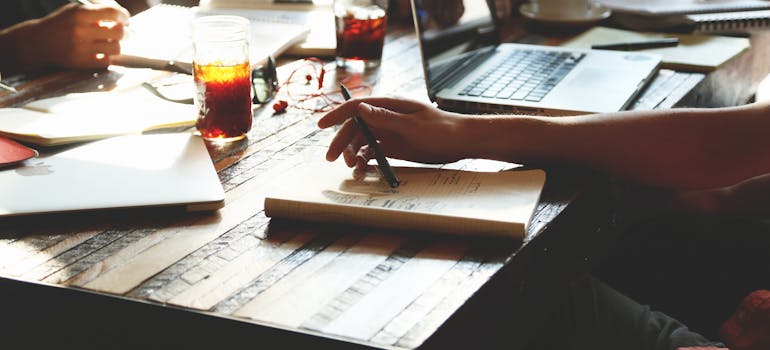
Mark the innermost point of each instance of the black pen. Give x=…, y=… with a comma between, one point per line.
x=638, y=45
x=7, y=87
x=387, y=171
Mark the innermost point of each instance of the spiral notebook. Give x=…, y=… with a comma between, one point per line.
x=681, y=7
x=691, y=16
x=697, y=23
x=729, y=22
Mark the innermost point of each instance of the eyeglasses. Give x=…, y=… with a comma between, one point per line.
x=178, y=88
x=264, y=82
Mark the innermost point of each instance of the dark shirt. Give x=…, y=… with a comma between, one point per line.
x=15, y=11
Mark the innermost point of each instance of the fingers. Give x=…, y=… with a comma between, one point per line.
x=378, y=117
x=107, y=48
x=103, y=33
x=352, y=151
x=348, y=141
x=103, y=13
x=341, y=140
x=87, y=61
x=101, y=28
x=346, y=110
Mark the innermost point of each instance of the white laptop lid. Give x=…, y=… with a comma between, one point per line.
x=121, y=172
x=460, y=40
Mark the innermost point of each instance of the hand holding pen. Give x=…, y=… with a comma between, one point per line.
x=385, y=168
x=404, y=129
x=74, y=37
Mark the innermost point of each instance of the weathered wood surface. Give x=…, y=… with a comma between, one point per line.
x=372, y=286
x=385, y=289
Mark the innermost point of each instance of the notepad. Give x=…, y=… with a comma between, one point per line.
x=701, y=53
x=89, y=116
x=497, y=204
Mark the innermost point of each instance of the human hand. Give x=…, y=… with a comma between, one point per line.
x=74, y=36
x=405, y=129
x=746, y=198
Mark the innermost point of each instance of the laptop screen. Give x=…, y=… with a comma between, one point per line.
x=450, y=34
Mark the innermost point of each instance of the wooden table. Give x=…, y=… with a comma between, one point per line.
x=155, y=278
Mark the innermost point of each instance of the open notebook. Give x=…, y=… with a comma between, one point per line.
x=121, y=172
x=94, y=115
x=497, y=204
x=164, y=33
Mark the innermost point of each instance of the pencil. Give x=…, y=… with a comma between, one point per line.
x=387, y=171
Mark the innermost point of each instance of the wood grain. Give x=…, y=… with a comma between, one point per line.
x=367, y=286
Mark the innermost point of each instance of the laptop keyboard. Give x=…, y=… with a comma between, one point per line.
x=524, y=75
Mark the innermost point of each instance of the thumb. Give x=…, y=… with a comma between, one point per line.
x=378, y=117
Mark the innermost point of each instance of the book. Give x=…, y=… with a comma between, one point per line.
x=448, y=201
x=12, y=152
x=90, y=116
x=695, y=52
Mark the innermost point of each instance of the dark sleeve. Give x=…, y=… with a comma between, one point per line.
x=15, y=11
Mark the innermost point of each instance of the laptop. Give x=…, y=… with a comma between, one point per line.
x=136, y=171
x=467, y=69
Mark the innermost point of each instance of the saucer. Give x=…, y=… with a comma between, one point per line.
x=596, y=14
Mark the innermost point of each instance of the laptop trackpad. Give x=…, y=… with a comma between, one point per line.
x=595, y=90
x=602, y=80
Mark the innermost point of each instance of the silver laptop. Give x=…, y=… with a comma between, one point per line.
x=121, y=172
x=467, y=69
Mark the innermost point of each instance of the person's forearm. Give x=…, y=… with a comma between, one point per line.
x=678, y=148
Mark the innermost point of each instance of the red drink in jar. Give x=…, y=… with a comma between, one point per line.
x=361, y=34
x=224, y=101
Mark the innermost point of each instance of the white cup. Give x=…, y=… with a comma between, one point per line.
x=562, y=9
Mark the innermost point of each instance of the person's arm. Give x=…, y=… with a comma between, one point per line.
x=74, y=36
x=679, y=148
